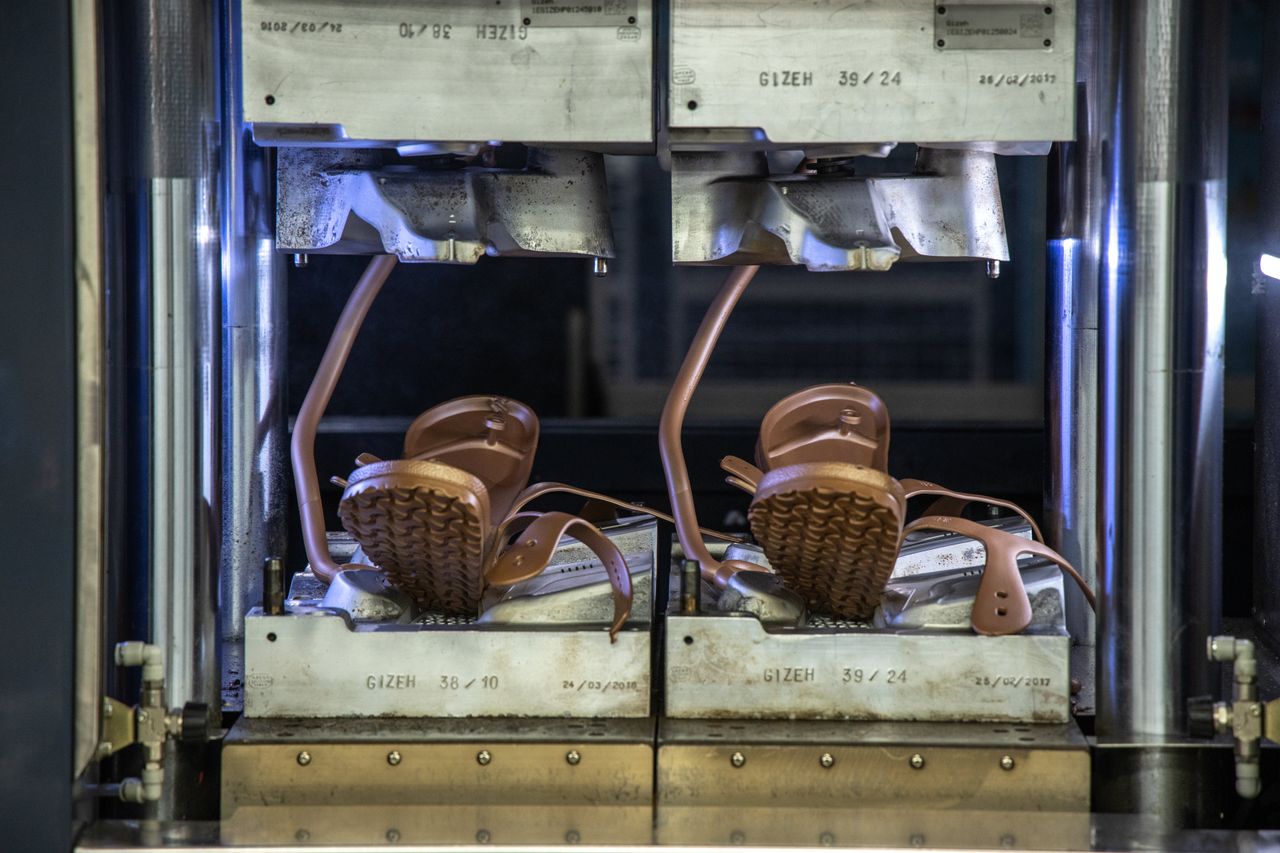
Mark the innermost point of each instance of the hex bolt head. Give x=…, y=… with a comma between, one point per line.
x=827, y=760
x=1006, y=762
x=917, y=761
x=393, y=757
x=573, y=757
x=483, y=757
x=737, y=759
x=304, y=758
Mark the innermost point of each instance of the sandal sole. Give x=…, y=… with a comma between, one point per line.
x=835, y=545
x=428, y=542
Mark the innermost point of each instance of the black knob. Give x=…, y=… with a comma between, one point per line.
x=195, y=723
x=1200, y=717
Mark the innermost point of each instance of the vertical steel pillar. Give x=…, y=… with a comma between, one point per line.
x=1077, y=206
x=254, y=439
x=1266, y=408
x=1163, y=279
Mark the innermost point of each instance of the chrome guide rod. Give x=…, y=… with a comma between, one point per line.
x=254, y=437
x=1161, y=363
x=1077, y=203
x=178, y=132
x=1266, y=407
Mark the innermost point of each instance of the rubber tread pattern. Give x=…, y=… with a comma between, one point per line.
x=835, y=548
x=428, y=543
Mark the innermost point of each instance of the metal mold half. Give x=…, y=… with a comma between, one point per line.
x=449, y=210
x=722, y=666
x=320, y=665
x=546, y=653
x=727, y=208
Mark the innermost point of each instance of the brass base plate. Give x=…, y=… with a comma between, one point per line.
x=483, y=766
x=926, y=766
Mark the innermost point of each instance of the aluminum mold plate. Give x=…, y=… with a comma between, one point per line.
x=730, y=667
x=862, y=71
x=316, y=665
x=389, y=71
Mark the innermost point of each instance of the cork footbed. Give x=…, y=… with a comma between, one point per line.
x=424, y=524
x=831, y=530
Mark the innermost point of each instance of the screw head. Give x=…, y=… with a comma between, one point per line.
x=737, y=838
x=482, y=836
x=917, y=761
x=917, y=840
x=573, y=757
x=1006, y=762
x=393, y=835
x=304, y=758
x=737, y=759
x=826, y=839
x=393, y=757
x=302, y=835
x=572, y=837
x=483, y=757
x=827, y=760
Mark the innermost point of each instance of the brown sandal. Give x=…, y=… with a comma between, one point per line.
x=438, y=522
x=427, y=520
x=825, y=510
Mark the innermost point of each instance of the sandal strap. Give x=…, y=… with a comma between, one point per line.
x=540, y=534
x=1001, y=605
x=953, y=502
x=303, y=443
x=538, y=490
x=742, y=474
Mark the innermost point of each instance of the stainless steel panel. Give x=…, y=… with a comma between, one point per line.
x=317, y=665
x=730, y=667
x=817, y=73
x=91, y=354
x=451, y=71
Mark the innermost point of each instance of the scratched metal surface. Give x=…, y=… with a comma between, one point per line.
x=445, y=71
x=727, y=667
x=317, y=666
x=840, y=71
